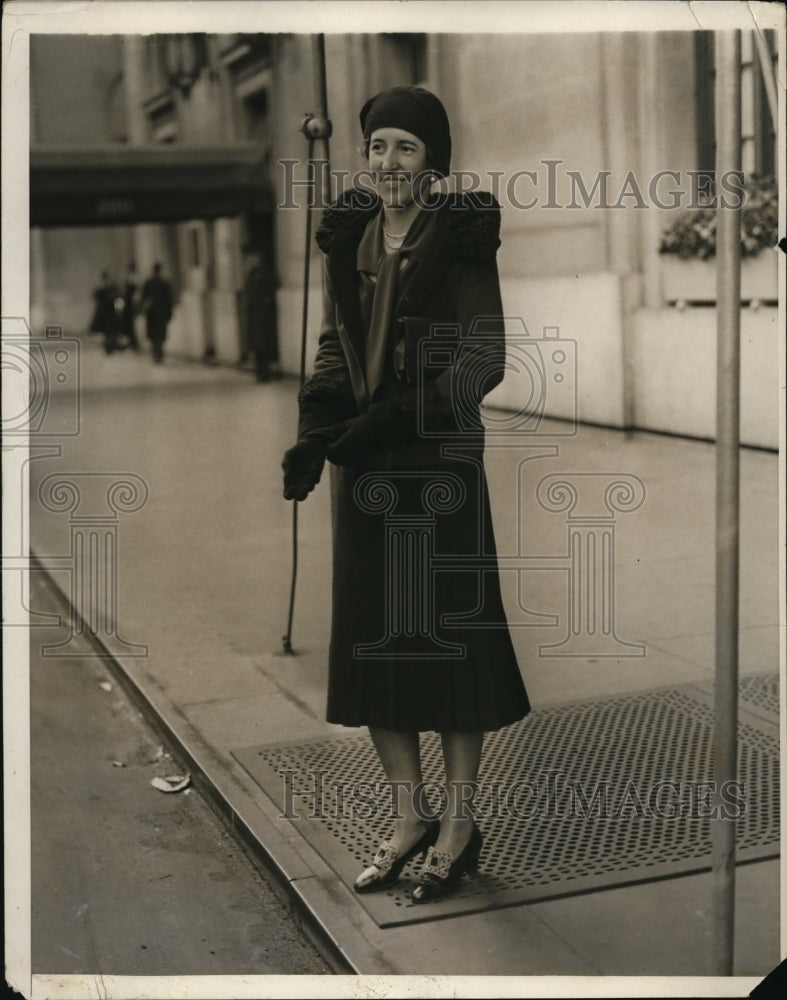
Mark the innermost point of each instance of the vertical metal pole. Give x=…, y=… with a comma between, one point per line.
x=728, y=260
x=322, y=193
x=317, y=129
x=320, y=85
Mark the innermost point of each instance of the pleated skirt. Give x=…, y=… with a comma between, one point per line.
x=419, y=639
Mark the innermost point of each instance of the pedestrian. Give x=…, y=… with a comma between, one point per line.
x=157, y=305
x=107, y=312
x=131, y=307
x=409, y=267
x=259, y=295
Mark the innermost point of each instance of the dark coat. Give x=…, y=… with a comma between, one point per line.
x=454, y=283
x=419, y=636
x=157, y=304
x=107, y=318
x=259, y=297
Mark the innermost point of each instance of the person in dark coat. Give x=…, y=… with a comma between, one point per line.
x=260, y=313
x=157, y=305
x=130, y=306
x=107, y=312
x=412, y=339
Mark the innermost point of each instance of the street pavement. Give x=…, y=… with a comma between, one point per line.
x=128, y=879
x=202, y=590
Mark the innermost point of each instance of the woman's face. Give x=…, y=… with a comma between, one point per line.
x=397, y=157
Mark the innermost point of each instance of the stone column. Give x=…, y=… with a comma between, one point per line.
x=146, y=237
x=651, y=145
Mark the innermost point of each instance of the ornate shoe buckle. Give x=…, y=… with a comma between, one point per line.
x=386, y=854
x=438, y=863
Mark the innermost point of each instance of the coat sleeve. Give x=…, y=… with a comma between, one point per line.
x=326, y=398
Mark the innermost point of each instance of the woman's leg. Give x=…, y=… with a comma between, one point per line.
x=400, y=755
x=462, y=757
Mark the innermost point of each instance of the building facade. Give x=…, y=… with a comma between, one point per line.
x=592, y=143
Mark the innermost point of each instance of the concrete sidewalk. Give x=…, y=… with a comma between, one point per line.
x=203, y=583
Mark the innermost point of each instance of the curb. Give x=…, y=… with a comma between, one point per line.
x=263, y=858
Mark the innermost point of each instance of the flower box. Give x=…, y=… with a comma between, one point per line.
x=674, y=356
x=695, y=280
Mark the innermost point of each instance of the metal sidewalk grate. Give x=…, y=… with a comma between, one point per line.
x=761, y=691
x=616, y=797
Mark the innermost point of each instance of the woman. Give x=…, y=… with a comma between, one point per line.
x=412, y=339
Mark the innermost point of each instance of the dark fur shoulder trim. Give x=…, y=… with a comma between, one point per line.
x=354, y=208
x=474, y=225
x=472, y=220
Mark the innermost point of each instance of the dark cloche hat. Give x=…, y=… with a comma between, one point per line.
x=414, y=110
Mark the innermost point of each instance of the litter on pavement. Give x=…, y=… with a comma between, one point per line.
x=172, y=782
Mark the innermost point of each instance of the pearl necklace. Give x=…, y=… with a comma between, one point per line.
x=393, y=242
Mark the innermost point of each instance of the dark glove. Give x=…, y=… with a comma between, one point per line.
x=355, y=439
x=302, y=466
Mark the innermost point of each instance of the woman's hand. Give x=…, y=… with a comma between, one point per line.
x=303, y=465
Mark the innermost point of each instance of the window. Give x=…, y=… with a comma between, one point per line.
x=759, y=139
x=255, y=117
x=404, y=58
x=758, y=152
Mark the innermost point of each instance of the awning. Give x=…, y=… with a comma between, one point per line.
x=121, y=185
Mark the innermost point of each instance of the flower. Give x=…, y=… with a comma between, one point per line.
x=693, y=234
